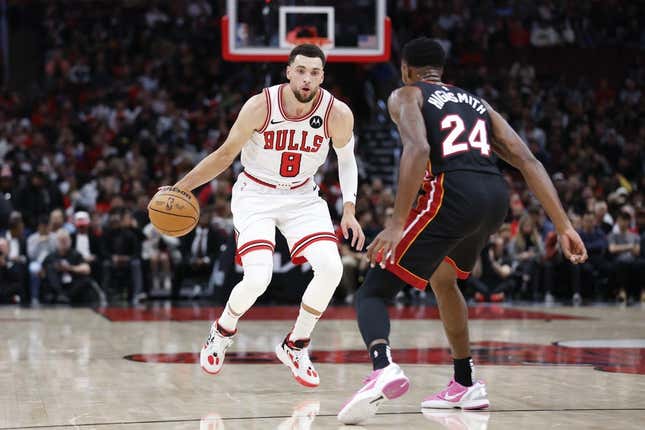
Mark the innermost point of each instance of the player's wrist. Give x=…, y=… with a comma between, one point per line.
x=563, y=227
x=349, y=208
x=396, y=223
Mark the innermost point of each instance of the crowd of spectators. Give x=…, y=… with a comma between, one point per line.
x=133, y=94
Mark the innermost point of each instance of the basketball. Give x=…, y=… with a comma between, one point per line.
x=173, y=212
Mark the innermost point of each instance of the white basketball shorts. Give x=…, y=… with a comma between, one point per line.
x=300, y=214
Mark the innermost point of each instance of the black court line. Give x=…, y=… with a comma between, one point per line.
x=276, y=417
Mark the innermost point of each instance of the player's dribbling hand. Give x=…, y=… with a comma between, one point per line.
x=349, y=222
x=572, y=246
x=384, y=246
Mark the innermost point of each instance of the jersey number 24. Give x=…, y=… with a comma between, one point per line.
x=477, y=138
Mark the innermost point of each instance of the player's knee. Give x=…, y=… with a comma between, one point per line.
x=330, y=267
x=257, y=278
x=443, y=278
x=379, y=284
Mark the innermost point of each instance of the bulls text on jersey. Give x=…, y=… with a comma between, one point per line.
x=281, y=140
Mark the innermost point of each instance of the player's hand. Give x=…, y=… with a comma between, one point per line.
x=572, y=246
x=384, y=245
x=349, y=222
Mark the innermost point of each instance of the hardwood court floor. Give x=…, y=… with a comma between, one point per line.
x=63, y=368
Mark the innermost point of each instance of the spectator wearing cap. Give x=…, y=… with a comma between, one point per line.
x=40, y=244
x=628, y=269
x=85, y=241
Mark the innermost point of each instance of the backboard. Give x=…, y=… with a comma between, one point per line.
x=266, y=30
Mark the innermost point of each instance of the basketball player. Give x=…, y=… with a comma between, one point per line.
x=284, y=135
x=453, y=137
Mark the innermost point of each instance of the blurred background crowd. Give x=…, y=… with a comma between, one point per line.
x=117, y=98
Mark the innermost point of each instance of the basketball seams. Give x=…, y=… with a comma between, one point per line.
x=170, y=213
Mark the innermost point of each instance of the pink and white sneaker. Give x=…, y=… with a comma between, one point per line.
x=383, y=384
x=456, y=395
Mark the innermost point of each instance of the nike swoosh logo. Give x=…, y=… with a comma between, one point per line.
x=276, y=122
x=449, y=397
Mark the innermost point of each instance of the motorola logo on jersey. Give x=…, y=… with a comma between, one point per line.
x=315, y=122
x=288, y=140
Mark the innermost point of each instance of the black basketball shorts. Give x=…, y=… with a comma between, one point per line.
x=454, y=216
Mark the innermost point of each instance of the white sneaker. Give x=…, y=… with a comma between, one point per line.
x=295, y=356
x=383, y=384
x=577, y=299
x=211, y=357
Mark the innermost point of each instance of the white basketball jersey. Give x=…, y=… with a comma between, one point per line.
x=289, y=149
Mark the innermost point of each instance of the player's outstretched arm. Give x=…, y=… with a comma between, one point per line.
x=405, y=109
x=250, y=118
x=341, y=131
x=510, y=147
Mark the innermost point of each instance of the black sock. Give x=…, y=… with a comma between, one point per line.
x=380, y=355
x=463, y=371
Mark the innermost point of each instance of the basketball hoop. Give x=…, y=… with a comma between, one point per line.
x=286, y=26
x=323, y=42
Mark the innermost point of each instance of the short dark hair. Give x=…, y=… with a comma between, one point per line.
x=423, y=51
x=307, y=50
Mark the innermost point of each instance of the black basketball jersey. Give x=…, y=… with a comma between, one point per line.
x=459, y=130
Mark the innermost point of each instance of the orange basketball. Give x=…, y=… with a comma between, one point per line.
x=173, y=212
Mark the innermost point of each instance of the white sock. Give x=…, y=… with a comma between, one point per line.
x=228, y=319
x=304, y=325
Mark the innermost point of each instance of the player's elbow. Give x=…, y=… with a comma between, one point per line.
x=524, y=161
x=418, y=149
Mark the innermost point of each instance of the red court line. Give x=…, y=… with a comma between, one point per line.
x=281, y=313
x=617, y=360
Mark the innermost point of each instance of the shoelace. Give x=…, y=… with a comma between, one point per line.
x=215, y=334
